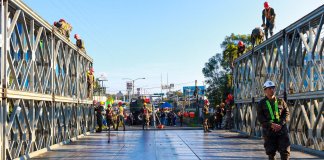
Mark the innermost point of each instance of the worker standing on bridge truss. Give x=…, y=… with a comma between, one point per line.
x=269, y=15
x=206, y=115
x=273, y=114
x=79, y=43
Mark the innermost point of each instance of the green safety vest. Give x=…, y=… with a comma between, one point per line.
x=274, y=117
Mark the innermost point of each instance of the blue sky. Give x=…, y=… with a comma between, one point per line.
x=147, y=38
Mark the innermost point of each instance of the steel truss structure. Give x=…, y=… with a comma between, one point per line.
x=293, y=59
x=43, y=84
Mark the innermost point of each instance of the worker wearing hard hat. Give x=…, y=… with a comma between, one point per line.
x=146, y=116
x=109, y=116
x=121, y=115
x=99, y=111
x=273, y=114
x=79, y=43
x=268, y=19
x=206, y=115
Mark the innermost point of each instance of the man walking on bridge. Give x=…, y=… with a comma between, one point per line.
x=273, y=114
x=268, y=14
x=206, y=115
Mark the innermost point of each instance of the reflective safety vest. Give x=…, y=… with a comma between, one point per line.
x=274, y=117
x=267, y=13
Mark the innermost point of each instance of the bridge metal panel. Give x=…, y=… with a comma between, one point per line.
x=43, y=77
x=293, y=59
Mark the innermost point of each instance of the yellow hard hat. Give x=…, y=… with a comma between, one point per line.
x=144, y=104
x=102, y=102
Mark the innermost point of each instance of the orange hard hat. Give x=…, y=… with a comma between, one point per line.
x=266, y=5
x=61, y=20
x=91, y=69
x=76, y=36
x=120, y=103
x=240, y=43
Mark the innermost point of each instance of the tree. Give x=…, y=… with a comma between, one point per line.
x=229, y=46
x=218, y=71
x=216, y=79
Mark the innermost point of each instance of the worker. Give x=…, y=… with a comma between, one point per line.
x=146, y=116
x=64, y=28
x=240, y=51
x=109, y=116
x=240, y=48
x=99, y=111
x=268, y=19
x=273, y=114
x=79, y=43
x=257, y=36
x=121, y=115
x=90, y=81
x=206, y=115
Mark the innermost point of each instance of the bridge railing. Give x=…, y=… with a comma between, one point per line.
x=293, y=59
x=43, y=84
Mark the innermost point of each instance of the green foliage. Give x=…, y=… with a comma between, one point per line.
x=216, y=79
x=217, y=70
x=229, y=46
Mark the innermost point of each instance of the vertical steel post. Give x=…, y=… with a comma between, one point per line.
x=52, y=103
x=253, y=104
x=4, y=24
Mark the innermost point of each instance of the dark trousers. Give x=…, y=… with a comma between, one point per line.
x=219, y=121
x=274, y=142
x=99, y=122
x=269, y=27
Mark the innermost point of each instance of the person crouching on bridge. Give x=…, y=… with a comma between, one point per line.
x=269, y=15
x=206, y=115
x=273, y=114
x=257, y=36
x=99, y=111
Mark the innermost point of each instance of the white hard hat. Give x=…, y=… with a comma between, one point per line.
x=268, y=84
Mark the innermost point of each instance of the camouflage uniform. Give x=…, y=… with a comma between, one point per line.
x=90, y=81
x=257, y=36
x=274, y=141
x=80, y=45
x=206, y=116
x=99, y=109
x=146, y=117
x=109, y=117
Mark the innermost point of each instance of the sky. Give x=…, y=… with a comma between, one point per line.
x=172, y=39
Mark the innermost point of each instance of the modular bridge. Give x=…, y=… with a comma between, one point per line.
x=43, y=84
x=293, y=59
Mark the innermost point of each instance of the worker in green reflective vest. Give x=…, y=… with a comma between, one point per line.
x=273, y=114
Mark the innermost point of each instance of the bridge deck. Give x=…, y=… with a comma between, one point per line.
x=164, y=145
